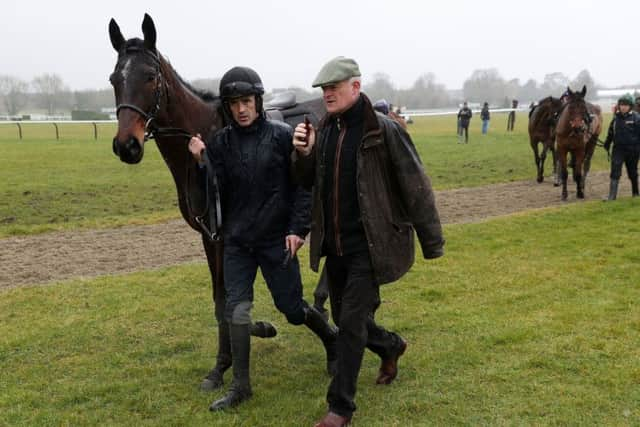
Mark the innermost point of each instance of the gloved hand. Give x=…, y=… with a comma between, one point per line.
x=607, y=145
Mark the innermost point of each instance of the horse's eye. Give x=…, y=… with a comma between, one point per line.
x=151, y=77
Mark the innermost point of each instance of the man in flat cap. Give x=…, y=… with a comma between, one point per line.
x=370, y=192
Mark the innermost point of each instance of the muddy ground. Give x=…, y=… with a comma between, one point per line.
x=64, y=255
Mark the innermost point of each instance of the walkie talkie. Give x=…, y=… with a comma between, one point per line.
x=307, y=127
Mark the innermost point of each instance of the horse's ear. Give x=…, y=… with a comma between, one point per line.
x=584, y=90
x=569, y=90
x=117, y=41
x=149, y=31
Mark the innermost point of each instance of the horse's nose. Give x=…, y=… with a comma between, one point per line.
x=131, y=152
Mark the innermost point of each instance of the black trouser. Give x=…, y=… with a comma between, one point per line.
x=240, y=267
x=627, y=154
x=321, y=293
x=464, y=129
x=354, y=299
x=511, y=121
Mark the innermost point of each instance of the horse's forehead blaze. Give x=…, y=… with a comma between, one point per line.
x=126, y=69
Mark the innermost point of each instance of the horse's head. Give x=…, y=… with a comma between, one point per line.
x=138, y=85
x=577, y=111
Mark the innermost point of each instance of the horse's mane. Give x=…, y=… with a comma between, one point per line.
x=205, y=95
x=137, y=45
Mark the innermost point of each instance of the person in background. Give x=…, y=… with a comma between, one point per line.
x=382, y=106
x=485, y=116
x=464, y=118
x=624, y=133
x=511, y=119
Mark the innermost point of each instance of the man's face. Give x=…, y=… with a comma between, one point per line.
x=243, y=110
x=624, y=108
x=339, y=97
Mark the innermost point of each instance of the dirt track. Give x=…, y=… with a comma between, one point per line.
x=72, y=254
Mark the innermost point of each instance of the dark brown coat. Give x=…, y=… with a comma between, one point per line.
x=395, y=197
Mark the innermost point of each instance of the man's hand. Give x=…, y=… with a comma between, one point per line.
x=607, y=145
x=302, y=140
x=293, y=243
x=196, y=147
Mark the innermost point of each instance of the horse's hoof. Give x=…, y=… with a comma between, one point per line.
x=580, y=196
x=555, y=184
x=540, y=179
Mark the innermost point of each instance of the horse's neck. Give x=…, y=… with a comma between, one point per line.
x=186, y=111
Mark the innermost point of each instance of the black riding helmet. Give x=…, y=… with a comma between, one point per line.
x=241, y=81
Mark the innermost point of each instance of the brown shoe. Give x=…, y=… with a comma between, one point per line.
x=333, y=420
x=389, y=367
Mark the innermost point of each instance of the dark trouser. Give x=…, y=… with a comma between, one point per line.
x=511, y=121
x=354, y=299
x=627, y=154
x=321, y=293
x=464, y=129
x=240, y=268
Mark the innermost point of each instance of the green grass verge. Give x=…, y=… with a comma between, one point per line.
x=528, y=320
x=77, y=182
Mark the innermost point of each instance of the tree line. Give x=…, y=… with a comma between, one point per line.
x=49, y=93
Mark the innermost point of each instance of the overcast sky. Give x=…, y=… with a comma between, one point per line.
x=288, y=41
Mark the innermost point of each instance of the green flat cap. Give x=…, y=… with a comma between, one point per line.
x=337, y=70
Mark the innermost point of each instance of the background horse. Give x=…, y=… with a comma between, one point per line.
x=542, y=130
x=574, y=131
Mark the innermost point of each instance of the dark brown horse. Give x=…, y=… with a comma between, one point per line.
x=151, y=96
x=542, y=130
x=153, y=100
x=577, y=130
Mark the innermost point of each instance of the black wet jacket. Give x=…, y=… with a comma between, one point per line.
x=624, y=129
x=260, y=201
x=464, y=115
x=344, y=233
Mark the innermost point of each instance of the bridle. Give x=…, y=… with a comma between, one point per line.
x=213, y=210
x=151, y=131
x=586, y=118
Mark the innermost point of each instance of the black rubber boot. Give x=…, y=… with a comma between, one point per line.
x=613, y=189
x=240, y=389
x=634, y=187
x=263, y=330
x=213, y=380
x=318, y=324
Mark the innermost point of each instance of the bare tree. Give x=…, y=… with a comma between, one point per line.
x=555, y=84
x=51, y=92
x=426, y=92
x=14, y=93
x=584, y=79
x=380, y=88
x=485, y=85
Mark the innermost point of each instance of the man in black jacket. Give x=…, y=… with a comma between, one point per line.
x=624, y=132
x=370, y=193
x=266, y=217
x=464, y=117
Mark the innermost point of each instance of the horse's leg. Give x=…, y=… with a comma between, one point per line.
x=577, y=173
x=543, y=158
x=223, y=360
x=591, y=146
x=562, y=160
x=554, y=155
x=536, y=156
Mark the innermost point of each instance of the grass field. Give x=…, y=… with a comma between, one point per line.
x=77, y=182
x=528, y=320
